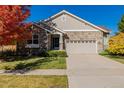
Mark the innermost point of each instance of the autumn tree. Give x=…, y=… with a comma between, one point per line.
x=12, y=25
x=116, y=44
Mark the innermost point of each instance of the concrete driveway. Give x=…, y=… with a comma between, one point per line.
x=94, y=71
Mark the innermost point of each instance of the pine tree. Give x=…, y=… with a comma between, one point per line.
x=121, y=25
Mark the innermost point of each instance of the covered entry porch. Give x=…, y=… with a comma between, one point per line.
x=56, y=41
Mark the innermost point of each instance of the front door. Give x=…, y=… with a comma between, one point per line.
x=56, y=43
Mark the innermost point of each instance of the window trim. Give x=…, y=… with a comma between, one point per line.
x=32, y=39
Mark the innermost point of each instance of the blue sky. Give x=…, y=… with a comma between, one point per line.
x=108, y=16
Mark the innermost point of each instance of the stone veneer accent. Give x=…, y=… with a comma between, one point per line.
x=43, y=38
x=97, y=35
x=43, y=41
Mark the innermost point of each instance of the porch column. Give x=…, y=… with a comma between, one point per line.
x=49, y=41
x=61, y=42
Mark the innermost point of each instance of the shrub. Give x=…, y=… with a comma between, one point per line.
x=57, y=53
x=7, y=53
x=43, y=54
x=20, y=66
x=8, y=67
x=105, y=52
x=116, y=44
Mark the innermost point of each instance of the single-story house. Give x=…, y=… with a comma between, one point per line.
x=70, y=33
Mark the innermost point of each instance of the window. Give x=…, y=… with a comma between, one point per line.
x=75, y=41
x=82, y=41
x=71, y=41
x=86, y=41
x=94, y=41
x=90, y=41
x=78, y=41
x=34, y=40
x=35, y=36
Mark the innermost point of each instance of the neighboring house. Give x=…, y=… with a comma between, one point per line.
x=70, y=33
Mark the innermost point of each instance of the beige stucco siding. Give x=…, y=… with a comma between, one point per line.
x=67, y=22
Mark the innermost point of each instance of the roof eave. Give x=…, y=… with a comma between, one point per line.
x=42, y=28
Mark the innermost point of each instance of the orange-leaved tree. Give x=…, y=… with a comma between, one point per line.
x=12, y=25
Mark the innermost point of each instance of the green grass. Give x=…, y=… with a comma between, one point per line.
x=105, y=52
x=113, y=57
x=116, y=58
x=39, y=63
x=34, y=81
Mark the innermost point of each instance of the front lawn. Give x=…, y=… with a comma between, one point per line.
x=34, y=81
x=113, y=57
x=116, y=58
x=37, y=63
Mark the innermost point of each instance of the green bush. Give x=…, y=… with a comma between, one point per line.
x=9, y=67
x=43, y=54
x=20, y=66
x=7, y=53
x=105, y=52
x=57, y=53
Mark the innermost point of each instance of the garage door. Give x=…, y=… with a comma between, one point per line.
x=81, y=46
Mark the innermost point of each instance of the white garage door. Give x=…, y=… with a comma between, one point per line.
x=81, y=46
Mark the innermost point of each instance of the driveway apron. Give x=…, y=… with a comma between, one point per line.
x=94, y=71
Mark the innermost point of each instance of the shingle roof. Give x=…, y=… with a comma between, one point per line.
x=103, y=27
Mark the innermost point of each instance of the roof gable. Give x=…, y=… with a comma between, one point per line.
x=77, y=18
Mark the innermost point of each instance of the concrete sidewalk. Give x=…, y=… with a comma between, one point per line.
x=38, y=72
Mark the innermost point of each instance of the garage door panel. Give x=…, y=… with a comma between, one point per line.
x=81, y=47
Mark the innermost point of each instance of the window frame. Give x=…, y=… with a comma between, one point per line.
x=32, y=39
